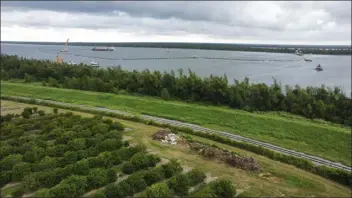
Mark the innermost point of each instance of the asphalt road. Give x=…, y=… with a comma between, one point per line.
x=314, y=159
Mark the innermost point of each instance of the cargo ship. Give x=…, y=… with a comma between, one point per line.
x=103, y=49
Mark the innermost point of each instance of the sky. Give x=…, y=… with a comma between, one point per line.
x=278, y=22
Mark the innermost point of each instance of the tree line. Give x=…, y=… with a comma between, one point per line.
x=311, y=102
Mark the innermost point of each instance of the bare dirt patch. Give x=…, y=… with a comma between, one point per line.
x=209, y=178
x=270, y=177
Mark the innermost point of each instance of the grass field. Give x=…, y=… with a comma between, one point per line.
x=286, y=180
x=322, y=139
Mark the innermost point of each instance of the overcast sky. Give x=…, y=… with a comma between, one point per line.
x=325, y=22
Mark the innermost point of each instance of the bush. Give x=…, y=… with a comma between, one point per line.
x=5, y=177
x=116, y=126
x=43, y=193
x=18, y=192
x=171, y=168
x=165, y=94
x=111, y=175
x=79, y=183
x=8, y=162
x=158, y=190
x=137, y=182
x=196, y=176
x=55, y=111
x=223, y=188
x=97, y=177
x=25, y=114
x=19, y=170
x=180, y=184
x=99, y=194
x=154, y=175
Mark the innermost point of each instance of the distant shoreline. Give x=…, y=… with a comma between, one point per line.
x=307, y=49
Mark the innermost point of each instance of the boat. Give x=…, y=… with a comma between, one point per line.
x=194, y=56
x=94, y=64
x=65, y=47
x=307, y=59
x=104, y=49
x=72, y=63
x=319, y=68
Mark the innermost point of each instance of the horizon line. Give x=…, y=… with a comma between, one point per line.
x=182, y=43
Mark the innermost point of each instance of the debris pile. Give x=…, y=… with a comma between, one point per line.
x=230, y=158
x=166, y=136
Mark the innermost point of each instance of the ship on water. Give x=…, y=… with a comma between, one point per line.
x=103, y=49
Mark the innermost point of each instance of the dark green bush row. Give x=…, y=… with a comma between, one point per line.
x=140, y=161
x=337, y=175
x=139, y=181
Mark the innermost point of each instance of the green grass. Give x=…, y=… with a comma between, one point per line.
x=321, y=139
x=287, y=180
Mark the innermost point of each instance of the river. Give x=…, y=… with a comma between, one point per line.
x=259, y=67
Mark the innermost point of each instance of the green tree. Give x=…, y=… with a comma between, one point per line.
x=55, y=110
x=41, y=113
x=18, y=192
x=158, y=190
x=196, y=176
x=43, y=193
x=28, y=78
x=224, y=188
x=25, y=114
x=165, y=94
x=154, y=175
x=97, y=177
x=8, y=162
x=19, y=170
x=111, y=175
x=180, y=184
x=320, y=109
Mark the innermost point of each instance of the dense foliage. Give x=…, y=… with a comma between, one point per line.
x=311, y=102
x=64, y=155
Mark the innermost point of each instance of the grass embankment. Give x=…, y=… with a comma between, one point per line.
x=286, y=180
x=322, y=139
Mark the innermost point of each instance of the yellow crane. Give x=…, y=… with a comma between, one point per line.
x=59, y=59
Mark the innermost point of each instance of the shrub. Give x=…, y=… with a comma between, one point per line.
x=116, y=126
x=165, y=94
x=158, y=190
x=111, y=175
x=154, y=175
x=55, y=111
x=137, y=182
x=43, y=193
x=223, y=188
x=171, y=168
x=19, y=170
x=25, y=114
x=196, y=176
x=180, y=184
x=18, y=192
x=97, y=177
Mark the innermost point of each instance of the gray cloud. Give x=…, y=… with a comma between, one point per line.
x=259, y=20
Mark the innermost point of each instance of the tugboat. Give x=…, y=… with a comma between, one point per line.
x=319, y=68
